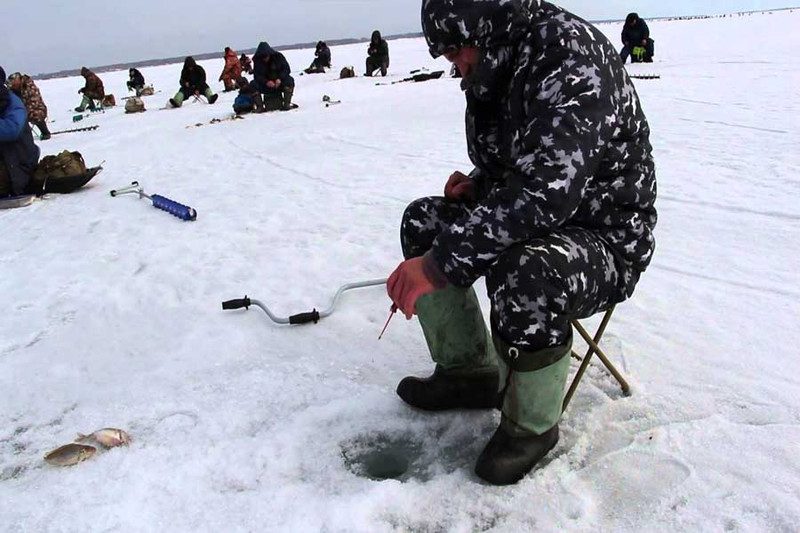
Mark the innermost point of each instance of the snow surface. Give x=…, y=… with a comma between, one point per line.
x=112, y=314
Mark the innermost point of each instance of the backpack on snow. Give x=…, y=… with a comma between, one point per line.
x=134, y=104
x=147, y=91
x=55, y=167
x=109, y=100
x=347, y=72
x=243, y=104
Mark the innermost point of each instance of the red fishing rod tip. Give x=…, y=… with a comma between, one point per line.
x=392, y=311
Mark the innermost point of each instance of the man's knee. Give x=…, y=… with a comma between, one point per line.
x=416, y=210
x=529, y=298
x=416, y=218
x=525, y=265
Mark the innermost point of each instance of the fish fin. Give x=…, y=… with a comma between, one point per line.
x=81, y=437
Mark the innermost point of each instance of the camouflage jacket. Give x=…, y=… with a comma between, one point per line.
x=94, y=85
x=29, y=92
x=555, y=131
x=233, y=67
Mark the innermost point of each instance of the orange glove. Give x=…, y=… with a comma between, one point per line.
x=459, y=187
x=414, y=278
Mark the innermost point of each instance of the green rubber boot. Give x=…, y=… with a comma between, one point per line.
x=466, y=374
x=210, y=96
x=287, y=98
x=85, y=102
x=177, y=100
x=533, y=393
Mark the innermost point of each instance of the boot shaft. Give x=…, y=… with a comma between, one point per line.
x=533, y=386
x=455, y=330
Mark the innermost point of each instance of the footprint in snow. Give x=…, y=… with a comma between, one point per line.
x=758, y=414
x=629, y=482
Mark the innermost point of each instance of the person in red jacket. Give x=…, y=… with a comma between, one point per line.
x=231, y=71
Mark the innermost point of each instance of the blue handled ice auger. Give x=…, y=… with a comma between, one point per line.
x=159, y=202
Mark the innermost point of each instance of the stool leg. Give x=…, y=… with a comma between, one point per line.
x=594, y=348
x=626, y=390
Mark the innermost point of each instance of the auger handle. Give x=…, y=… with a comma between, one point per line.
x=174, y=208
x=242, y=303
x=305, y=318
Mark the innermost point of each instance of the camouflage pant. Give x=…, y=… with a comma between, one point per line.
x=535, y=288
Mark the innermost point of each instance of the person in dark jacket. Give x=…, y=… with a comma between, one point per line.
x=135, y=81
x=272, y=78
x=248, y=100
x=19, y=155
x=92, y=90
x=558, y=216
x=377, y=54
x=247, y=65
x=322, y=59
x=193, y=83
x=636, y=34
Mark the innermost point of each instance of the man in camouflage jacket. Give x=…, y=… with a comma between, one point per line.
x=25, y=88
x=558, y=216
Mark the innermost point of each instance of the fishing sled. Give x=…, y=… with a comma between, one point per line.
x=17, y=201
x=71, y=183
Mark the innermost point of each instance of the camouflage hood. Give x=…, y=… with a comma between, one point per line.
x=484, y=24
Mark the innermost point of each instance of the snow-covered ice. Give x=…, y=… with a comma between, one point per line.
x=111, y=314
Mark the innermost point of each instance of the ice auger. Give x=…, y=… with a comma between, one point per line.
x=302, y=318
x=159, y=202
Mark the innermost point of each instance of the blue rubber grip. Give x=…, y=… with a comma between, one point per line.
x=174, y=208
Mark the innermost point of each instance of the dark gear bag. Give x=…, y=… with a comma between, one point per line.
x=347, y=72
x=55, y=167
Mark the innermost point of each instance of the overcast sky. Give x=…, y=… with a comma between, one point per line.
x=47, y=35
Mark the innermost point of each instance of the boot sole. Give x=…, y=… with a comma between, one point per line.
x=449, y=407
x=513, y=481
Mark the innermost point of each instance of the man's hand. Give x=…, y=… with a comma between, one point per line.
x=270, y=84
x=80, y=91
x=459, y=187
x=407, y=283
x=277, y=83
x=644, y=42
